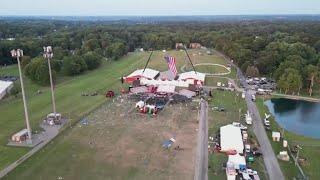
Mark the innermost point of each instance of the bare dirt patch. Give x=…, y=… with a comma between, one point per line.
x=129, y=140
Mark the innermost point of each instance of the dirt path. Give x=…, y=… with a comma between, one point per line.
x=296, y=97
x=201, y=166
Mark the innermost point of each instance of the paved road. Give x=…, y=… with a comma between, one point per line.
x=270, y=160
x=201, y=163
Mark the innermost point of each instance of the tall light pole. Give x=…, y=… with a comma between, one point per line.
x=48, y=53
x=299, y=148
x=17, y=54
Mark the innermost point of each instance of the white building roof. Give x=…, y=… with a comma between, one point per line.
x=166, y=89
x=276, y=134
x=231, y=138
x=21, y=133
x=192, y=75
x=148, y=73
x=159, y=82
x=4, y=85
x=237, y=160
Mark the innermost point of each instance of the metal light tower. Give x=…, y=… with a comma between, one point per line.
x=48, y=54
x=17, y=54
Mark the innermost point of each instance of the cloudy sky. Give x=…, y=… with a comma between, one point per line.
x=157, y=7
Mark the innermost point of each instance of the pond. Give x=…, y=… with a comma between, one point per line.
x=297, y=116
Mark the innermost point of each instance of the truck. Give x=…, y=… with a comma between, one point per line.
x=248, y=118
x=253, y=97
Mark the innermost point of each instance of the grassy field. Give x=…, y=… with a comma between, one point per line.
x=211, y=69
x=212, y=81
x=68, y=96
x=68, y=99
x=310, y=149
x=232, y=103
x=119, y=145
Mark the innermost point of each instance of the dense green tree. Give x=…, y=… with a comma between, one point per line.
x=73, y=65
x=116, y=50
x=25, y=60
x=312, y=75
x=290, y=81
x=92, y=59
x=38, y=71
x=252, y=71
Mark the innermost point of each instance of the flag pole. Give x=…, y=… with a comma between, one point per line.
x=185, y=49
x=147, y=61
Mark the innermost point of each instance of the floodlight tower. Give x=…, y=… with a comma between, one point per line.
x=48, y=54
x=17, y=54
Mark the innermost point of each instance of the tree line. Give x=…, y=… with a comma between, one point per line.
x=287, y=51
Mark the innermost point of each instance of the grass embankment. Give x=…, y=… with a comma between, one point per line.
x=68, y=101
x=310, y=149
x=232, y=103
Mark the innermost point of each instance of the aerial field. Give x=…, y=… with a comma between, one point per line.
x=120, y=143
x=68, y=91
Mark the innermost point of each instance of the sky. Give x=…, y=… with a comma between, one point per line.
x=156, y=7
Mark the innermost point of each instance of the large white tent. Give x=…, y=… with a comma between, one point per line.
x=231, y=138
x=192, y=75
x=5, y=87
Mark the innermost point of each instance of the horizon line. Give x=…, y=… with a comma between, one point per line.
x=155, y=15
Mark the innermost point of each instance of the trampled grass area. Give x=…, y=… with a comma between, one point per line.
x=232, y=103
x=310, y=149
x=69, y=100
x=119, y=145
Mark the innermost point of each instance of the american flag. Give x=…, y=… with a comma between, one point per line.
x=171, y=64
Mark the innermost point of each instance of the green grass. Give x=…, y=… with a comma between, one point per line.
x=211, y=69
x=310, y=149
x=232, y=104
x=212, y=81
x=68, y=97
x=68, y=100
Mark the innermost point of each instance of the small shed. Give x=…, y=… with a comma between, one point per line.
x=195, y=46
x=276, y=136
x=5, y=87
x=20, y=136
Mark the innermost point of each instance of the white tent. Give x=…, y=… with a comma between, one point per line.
x=166, y=89
x=231, y=138
x=148, y=73
x=159, y=82
x=237, y=160
x=192, y=75
x=5, y=87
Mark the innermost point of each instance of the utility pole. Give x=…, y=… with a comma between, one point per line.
x=17, y=54
x=48, y=53
x=299, y=148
